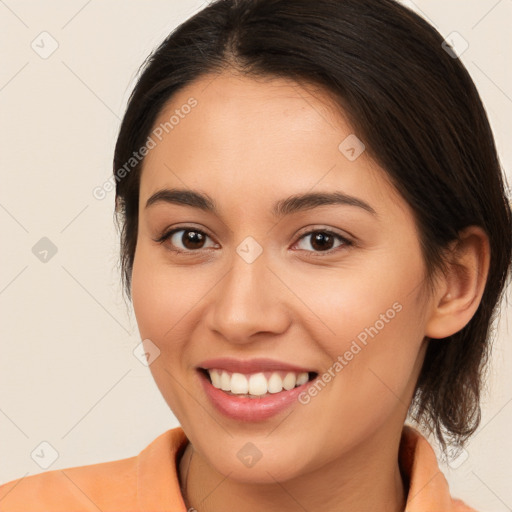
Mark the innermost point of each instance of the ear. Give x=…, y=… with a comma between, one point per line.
x=458, y=291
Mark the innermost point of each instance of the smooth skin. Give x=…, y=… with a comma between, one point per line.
x=248, y=143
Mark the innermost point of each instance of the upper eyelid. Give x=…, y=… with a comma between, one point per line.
x=309, y=231
x=166, y=233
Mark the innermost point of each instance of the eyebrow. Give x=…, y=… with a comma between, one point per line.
x=281, y=208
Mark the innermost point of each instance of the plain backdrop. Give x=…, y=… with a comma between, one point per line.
x=68, y=375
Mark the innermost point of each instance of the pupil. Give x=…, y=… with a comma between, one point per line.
x=194, y=238
x=320, y=240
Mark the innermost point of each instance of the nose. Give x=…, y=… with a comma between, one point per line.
x=249, y=299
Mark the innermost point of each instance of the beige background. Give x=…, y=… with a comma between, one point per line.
x=68, y=376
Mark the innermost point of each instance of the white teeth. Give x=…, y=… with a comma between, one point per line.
x=289, y=381
x=302, y=378
x=225, y=381
x=239, y=384
x=216, y=379
x=256, y=384
x=275, y=383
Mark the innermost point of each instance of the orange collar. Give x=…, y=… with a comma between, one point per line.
x=428, y=487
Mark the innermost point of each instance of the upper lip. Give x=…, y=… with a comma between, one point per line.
x=250, y=365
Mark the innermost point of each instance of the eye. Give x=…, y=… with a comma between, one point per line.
x=322, y=240
x=193, y=240
x=190, y=238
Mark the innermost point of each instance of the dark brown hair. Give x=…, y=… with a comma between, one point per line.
x=412, y=103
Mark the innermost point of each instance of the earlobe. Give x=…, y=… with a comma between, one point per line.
x=460, y=289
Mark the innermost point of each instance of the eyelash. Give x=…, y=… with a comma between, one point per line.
x=345, y=242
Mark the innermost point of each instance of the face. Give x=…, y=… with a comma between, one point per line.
x=329, y=288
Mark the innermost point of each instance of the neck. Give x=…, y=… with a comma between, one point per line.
x=365, y=479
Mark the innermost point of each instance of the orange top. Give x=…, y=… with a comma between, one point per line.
x=149, y=482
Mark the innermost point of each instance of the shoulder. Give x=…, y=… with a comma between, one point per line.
x=461, y=506
x=112, y=485
x=428, y=487
x=82, y=487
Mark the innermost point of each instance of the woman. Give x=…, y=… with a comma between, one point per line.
x=315, y=237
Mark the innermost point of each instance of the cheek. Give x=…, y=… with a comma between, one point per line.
x=375, y=297
x=161, y=296
x=160, y=311
x=372, y=375
x=378, y=375
x=372, y=327
x=146, y=294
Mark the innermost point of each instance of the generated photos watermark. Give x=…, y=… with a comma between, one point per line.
x=355, y=348
x=101, y=191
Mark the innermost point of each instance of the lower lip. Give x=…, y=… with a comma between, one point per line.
x=250, y=409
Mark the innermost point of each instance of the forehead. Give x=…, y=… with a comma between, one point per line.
x=248, y=93
x=264, y=133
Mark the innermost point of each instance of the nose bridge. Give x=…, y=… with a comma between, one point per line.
x=248, y=299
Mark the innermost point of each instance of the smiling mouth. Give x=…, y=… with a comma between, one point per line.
x=258, y=384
